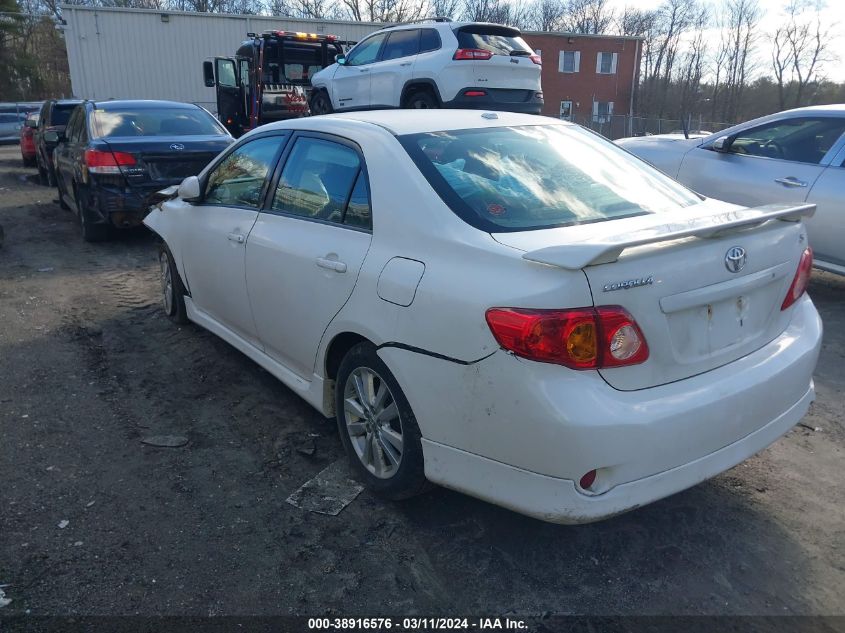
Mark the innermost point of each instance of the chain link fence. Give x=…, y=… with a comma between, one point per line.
x=622, y=125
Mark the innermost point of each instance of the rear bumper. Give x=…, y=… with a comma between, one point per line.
x=520, y=433
x=504, y=100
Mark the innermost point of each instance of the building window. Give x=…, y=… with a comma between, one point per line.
x=602, y=111
x=566, y=110
x=606, y=63
x=569, y=62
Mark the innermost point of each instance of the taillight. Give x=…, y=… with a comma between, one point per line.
x=475, y=93
x=100, y=162
x=536, y=59
x=582, y=338
x=802, y=278
x=472, y=53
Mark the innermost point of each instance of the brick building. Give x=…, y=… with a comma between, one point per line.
x=587, y=77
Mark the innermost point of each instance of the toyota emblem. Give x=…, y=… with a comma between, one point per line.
x=735, y=259
x=177, y=147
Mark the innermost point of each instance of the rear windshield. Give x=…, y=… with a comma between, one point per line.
x=497, y=40
x=298, y=62
x=540, y=176
x=154, y=122
x=61, y=114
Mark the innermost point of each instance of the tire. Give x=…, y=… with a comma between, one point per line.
x=386, y=454
x=62, y=203
x=321, y=104
x=422, y=100
x=172, y=289
x=42, y=174
x=90, y=232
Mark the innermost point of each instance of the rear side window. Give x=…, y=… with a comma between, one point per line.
x=320, y=181
x=401, y=44
x=61, y=114
x=536, y=177
x=497, y=40
x=238, y=180
x=429, y=40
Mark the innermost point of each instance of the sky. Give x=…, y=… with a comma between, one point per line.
x=833, y=14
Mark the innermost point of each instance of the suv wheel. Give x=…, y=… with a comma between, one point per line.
x=422, y=100
x=377, y=427
x=320, y=104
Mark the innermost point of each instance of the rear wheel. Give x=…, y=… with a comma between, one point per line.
x=172, y=290
x=377, y=426
x=61, y=193
x=422, y=100
x=320, y=104
x=42, y=174
x=91, y=232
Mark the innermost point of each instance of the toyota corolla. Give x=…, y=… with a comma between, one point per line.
x=502, y=304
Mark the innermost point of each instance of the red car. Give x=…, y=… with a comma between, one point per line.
x=28, y=139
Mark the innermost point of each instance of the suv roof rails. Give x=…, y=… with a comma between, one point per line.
x=439, y=18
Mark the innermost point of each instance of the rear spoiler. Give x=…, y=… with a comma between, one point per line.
x=604, y=250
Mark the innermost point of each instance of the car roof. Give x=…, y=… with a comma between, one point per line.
x=443, y=25
x=400, y=122
x=141, y=104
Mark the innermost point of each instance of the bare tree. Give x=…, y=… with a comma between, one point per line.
x=808, y=43
x=588, y=16
x=782, y=64
x=513, y=13
x=739, y=35
x=546, y=15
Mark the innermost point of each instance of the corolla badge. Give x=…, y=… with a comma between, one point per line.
x=177, y=147
x=735, y=259
x=628, y=284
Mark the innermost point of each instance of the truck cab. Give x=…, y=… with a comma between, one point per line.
x=269, y=77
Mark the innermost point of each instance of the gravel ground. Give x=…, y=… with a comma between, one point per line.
x=89, y=366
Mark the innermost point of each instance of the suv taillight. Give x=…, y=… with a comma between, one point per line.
x=472, y=53
x=536, y=59
x=582, y=338
x=802, y=278
x=99, y=162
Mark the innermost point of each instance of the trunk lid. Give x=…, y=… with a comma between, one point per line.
x=674, y=274
x=510, y=65
x=164, y=160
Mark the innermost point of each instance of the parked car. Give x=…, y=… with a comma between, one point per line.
x=10, y=126
x=793, y=156
x=114, y=155
x=28, y=139
x=503, y=304
x=437, y=64
x=53, y=118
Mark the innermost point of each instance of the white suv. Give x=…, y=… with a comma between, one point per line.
x=438, y=64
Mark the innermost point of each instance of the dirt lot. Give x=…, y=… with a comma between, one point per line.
x=89, y=365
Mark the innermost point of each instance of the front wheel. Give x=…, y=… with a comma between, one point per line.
x=320, y=104
x=377, y=426
x=172, y=290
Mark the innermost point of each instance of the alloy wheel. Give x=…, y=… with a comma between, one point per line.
x=372, y=422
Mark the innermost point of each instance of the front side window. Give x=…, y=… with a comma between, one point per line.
x=366, y=52
x=542, y=176
x=155, y=122
x=238, y=180
x=401, y=44
x=804, y=140
x=569, y=61
x=317, y=182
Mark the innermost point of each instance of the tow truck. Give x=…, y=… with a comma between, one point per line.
x=269, y=77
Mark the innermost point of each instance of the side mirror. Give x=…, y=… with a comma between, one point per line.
x=53, y=137
x=208, y=74
x=721, y=144
x=340, y=59
x=189, y=190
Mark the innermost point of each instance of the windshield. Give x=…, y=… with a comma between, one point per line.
x=298, y=62
x=540, y=176
x=155, y=122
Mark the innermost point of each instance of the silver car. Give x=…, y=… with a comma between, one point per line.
x=10, y=126
x=793, y=156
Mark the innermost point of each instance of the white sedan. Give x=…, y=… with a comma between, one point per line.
x=503, y=304
x=793, y=156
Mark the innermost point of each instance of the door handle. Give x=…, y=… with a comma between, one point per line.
x=364, y=70
x=405, y=64
x=331, y=264
x=791, y=182
x=236, y=237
